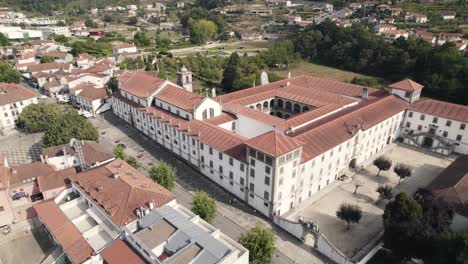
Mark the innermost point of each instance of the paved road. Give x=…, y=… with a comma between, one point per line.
x=232, y=220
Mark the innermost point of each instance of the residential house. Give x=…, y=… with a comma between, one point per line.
x=448, y=15
x=13, y=99
x=395, y=34
x=416, y=17
x=91, y=100
x=381, y=28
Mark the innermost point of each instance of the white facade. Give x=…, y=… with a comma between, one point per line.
x=65, y=31
x=9, y=113
x=18, y=34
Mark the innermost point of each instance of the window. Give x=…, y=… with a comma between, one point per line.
x=242, y=181
x=252, y=162
x=268, y=160
x=231, y=161
x=434, y=120
x=201, y=146
x=462, y=126
x=281, y=170
x=267, y=170
x=260, y=156
x=410, y=114
x=280, y=181
x=220, y=155
x=445, y=134
x=193, y=141
x=211, y=164
x=407, y=94
x=419, y=127
x=210, y=150
x=422, y=117
x=459, y=137
x=266, y=196
x=267, y=181
x=252, y=187
x=252, y=152
x=242, y=167
x=449, y=123
x=231, y=175
x=408, y=124
x=252, y=173
x=220, y=169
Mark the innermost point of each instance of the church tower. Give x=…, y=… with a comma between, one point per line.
x=184, y=78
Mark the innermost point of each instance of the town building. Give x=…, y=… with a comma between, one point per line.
x=92, y=100
x=16, y=34
x=416, y=17
x=448, y=15
x=13, y=99
x=65, y=31
x=381, y=28
x=115, y=213
x=273, y=145
x=124, y=48
x=395, y=34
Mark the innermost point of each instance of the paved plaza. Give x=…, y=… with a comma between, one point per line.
x=20, y=148
x=321, y=210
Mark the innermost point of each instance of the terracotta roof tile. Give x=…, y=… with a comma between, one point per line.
x=28, y=171
x=221, y=119
x=407, y=85
x=55, y=180
x=441, y=109
x=93, y=152
x=12, y=92
x=274, y=143
x=179, y=97
x=92, y=94
x=120, y=253
x=118, y=190
x=142, y=84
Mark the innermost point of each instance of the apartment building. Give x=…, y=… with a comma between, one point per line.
x=113, y=212
x=273, y=145
x=13, y=99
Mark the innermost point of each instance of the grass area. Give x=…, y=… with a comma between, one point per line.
x=325, y=72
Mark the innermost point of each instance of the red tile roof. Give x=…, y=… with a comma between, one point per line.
x=92, y=94
x=28, y=171
x=123, y=46
x=55, y=180
x=45, y=67
x=93, y=152
x=335, y=129
x=407, y=85
x=64, y=231
x=142, y=84
x=12, y=92
x=179, y=97
x=441, y=109
x=274, y=143
x=451, y=185
x=221, y=119
x=120, y=253
x=118, y=190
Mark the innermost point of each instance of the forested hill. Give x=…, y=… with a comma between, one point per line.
x=48, y=6
x=443, y=70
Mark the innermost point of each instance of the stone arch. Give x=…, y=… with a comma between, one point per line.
x=305, y=108
x=251, y=107
x=259, y=106
x=297, y=108
x=265, y=104
x=288, y=106
x=279, y=103
x=272, y=103
x=279, y=114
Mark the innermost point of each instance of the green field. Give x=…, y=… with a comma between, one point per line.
x=317, y=70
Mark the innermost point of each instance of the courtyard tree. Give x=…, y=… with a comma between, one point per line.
x=385, y=192
x=402, y=218
x=119, y=152
x=69, y=125
x=38, y=117
x=8, y=74
x=164, y=174
x=402, y=170
x=202, y=31
x=382, y=163
x=349, y=213
x=260, y=242
x=204, y=206
x=357, y=184
x=113, y=84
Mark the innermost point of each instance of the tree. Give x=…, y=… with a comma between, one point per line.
x=401, y=219
x=164, y=175
x=451, y=248
x=231, y=72
x=141, y=39
x=383, y=164
x=38, y=117
x=385, y=192
x=46, y=59
x=204, y=206
x=202, y=31
x=132, y=161
x=261, y=244
x=90, y=23
x=69, y=125
x=349, y=213
x=402, y=170
x=113, y=84
x=3, y=40
x=119, y=152
x=132, y=21
x=8, y=74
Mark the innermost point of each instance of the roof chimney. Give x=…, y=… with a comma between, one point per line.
x=365, y=93
x=289, y=75
x=115, y=175
x=288, y=83
x=213, y=92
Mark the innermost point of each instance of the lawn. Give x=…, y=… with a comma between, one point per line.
x=317, y=70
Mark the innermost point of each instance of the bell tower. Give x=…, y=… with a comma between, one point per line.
x=184, y=78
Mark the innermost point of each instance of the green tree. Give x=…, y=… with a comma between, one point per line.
x=261, y=244
x=141, y=39
x=402, y=170
x=69, y=125
x=38, y=117
x=231, y=72
x=132, y=21
x=382, y=163
x=113, y=84
x=204, y=206
x=119, y=152
x=164, y=175
x=132, y=64
x=202, y=31
x=451, y=248
x=385, y=192
x=3, y=40
x=401, y=219
x=8, y=74
x=349, y=213
x=46, y=59
x=90, y=23
x=132, y=161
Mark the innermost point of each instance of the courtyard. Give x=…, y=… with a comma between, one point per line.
x=321, y=209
